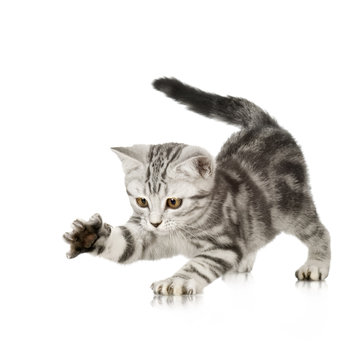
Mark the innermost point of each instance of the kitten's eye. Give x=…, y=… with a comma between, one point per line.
x=142, y=202
x=173, y=203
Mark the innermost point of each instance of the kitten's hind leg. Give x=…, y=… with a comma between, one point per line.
x=247, y=262
x=315, y=236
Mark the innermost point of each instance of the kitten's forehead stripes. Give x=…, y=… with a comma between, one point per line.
x=159, y=158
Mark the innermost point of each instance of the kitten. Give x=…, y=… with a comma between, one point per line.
x=217, y=213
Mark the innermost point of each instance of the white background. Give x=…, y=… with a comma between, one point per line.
x=75, y=79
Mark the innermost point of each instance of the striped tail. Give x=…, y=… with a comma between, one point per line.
x=234, y=111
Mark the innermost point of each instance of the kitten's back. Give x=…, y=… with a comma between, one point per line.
x=262, y=151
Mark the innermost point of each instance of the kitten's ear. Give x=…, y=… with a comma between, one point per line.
x=195, y=163
x=133, y=157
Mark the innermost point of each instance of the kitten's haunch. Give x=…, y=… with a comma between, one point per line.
x=218, y=213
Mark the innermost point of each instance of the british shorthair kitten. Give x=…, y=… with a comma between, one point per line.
x=218, y=213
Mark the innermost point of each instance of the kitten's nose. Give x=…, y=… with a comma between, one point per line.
x=156, y=224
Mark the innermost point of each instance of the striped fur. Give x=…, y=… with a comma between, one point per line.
x=232, y=206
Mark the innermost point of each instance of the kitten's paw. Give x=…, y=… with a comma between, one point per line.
x=85, y=234
x=313, y=270
x=175, y=286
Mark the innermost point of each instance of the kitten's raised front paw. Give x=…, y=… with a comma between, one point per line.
x=313, y=270
x=175, y=286
x=85, y=234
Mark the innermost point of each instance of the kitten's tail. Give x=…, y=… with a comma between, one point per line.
x=235, y=111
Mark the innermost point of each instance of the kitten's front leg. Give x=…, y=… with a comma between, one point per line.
x=198, y=272
x=120, y=244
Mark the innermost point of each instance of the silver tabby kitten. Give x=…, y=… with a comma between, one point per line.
x=218, y=213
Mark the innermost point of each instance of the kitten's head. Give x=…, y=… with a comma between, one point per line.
x=169, y=185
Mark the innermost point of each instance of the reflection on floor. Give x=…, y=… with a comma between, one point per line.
x=176, y=301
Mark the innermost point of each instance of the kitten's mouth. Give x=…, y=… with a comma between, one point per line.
x=158, y=230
